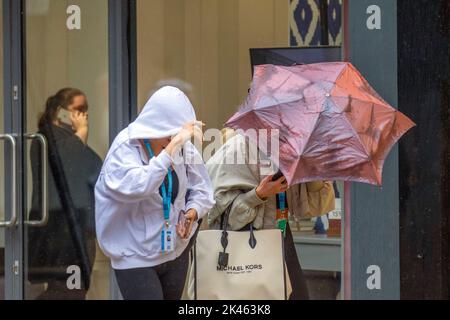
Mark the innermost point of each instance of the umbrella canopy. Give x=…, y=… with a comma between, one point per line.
x=332, y=124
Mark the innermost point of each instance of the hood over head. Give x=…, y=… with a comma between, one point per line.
x=164, y=114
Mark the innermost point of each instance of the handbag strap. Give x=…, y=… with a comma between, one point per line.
x=223, y=256
x=224, y=224
x=226, y=214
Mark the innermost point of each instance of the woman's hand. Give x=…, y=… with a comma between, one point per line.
x=80, y=124
x=184, y=229
x=191, y=217
x=189, y=130
x=268, y=188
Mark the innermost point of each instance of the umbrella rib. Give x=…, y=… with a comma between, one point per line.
x=273, y=105
x=351, y=127
x=362, y=101
x=377, y=97
x=284, y=81
x=379, y=102
x=364, y=80
x=340, y=74
x=356, y=134
x=290, y=75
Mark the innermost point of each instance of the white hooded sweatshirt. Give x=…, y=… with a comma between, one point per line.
x=129, y=212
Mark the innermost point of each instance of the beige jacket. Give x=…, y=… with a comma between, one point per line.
x=240, y=180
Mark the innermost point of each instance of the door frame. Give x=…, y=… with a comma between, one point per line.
x=122, y=79
x=122, y=109
x=12, y=101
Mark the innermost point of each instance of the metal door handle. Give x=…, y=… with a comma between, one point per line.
x=44, y=186
x=13, y=220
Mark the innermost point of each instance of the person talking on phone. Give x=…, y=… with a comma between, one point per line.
x=68, y=239
x=150, y=195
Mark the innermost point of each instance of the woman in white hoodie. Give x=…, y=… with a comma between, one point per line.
x=152, y=190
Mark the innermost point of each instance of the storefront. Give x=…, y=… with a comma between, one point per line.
x=119, y=52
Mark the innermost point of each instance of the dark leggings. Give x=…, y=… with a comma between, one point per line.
x=162, y=282
x=298, y=281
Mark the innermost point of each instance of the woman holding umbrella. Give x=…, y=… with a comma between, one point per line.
x=331, y=124
x=263, y=200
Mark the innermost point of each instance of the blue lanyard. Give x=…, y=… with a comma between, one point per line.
x=281, y=197
x=166, y=194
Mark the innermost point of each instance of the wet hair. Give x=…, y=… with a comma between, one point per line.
x=63, y=98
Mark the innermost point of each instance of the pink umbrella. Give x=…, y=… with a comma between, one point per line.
x=332, y=124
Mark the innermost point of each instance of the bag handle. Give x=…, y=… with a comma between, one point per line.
x=223, y=256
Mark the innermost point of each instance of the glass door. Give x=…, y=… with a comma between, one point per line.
x=65, y=139
x=2, y=168
x=9, y=213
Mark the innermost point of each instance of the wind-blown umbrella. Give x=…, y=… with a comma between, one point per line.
x=332, y=124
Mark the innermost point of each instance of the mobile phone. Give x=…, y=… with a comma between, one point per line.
x=277, y=175
x=64, y=116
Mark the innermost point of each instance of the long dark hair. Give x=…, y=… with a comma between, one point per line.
x=63, y=98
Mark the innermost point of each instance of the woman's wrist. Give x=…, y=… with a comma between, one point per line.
x=173, y=146
x=260, y=194
x=82, y=133
x=193, y=214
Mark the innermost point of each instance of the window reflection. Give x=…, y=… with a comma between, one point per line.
x=69, y=237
